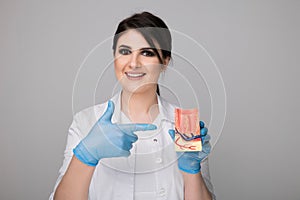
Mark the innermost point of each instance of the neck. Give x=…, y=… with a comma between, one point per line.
x=140, y=107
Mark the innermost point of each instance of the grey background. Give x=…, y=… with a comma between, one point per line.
x=254, y=43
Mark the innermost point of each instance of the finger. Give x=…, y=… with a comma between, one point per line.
x=206, y=148
x=172, y=133
x=205, y=139
x=127, y=146
x=125, y=153
x=106, y=117
x=204, y=131
x=201, y=124
x=137, y=127
x=129, y=135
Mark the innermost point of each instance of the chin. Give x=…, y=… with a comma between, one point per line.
x=139, y=89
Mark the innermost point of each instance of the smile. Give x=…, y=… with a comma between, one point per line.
x=134, y=76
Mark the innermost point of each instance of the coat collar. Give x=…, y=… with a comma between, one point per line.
x=165, y=108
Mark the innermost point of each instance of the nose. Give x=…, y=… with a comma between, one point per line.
x=134, y=60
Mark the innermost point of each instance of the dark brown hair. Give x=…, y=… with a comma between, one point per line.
x=152, y=28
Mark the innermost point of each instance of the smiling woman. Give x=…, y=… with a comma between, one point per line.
x=154, y=32
x=137, y=65
x=124, y=148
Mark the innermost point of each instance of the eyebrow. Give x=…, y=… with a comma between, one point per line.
x=144, y=48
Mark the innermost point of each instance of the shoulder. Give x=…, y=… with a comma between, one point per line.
x=91, y=111
x=167, y=104
x=87, y=117
x=167, y=108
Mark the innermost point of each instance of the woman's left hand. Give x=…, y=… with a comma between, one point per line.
x=190, y=161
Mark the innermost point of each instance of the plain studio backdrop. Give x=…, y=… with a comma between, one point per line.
x=255, y=45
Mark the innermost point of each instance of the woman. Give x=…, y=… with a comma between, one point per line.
x=123, y=148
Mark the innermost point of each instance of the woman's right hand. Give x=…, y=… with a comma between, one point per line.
x=107, y=139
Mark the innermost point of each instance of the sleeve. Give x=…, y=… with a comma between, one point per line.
x=206, y=176
x=74, y=137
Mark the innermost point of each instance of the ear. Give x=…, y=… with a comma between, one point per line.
x=166, y=63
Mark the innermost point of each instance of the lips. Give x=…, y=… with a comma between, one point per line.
x=135, y=75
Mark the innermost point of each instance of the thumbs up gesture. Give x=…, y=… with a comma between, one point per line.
x=107, y=139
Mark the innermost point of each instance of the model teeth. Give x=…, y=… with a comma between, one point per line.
x=135, y=75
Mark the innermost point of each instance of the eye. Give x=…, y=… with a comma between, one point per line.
x=148, y=53
x=124, y=51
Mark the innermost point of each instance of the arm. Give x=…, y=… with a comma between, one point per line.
x=195, y=172
x=75, y=183
x=194, y=187
x=104, y=140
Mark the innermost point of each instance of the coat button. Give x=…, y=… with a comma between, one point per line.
x=158, y=160
x=162, y=192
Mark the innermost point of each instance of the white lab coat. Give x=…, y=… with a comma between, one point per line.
x=149, y=173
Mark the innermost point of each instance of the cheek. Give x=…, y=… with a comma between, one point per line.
x=154, y=73
x=118, y=66
x=155, y=69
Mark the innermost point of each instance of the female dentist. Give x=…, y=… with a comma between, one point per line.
x=124, y=148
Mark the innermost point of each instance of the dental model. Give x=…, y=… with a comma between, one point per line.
x=187, y=130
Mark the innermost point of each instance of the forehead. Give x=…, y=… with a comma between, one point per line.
x=132, y=38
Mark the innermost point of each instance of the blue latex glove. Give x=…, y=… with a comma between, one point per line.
x=106, y=140
x=190, y=161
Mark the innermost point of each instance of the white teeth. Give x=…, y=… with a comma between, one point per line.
x=135, y=75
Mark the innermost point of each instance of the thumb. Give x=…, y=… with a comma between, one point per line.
x=106, y=117
x=137, y=127
x=172, y=133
